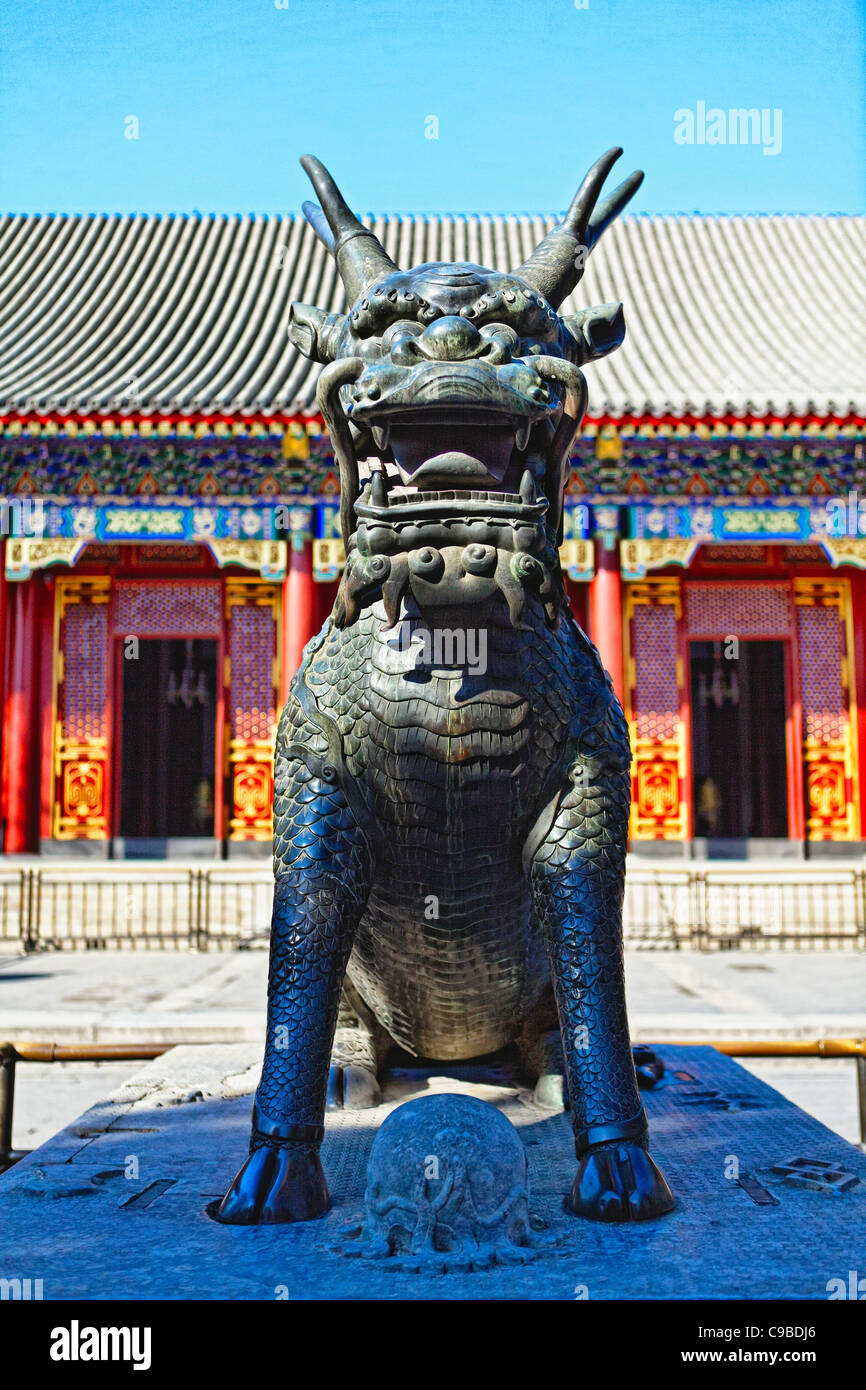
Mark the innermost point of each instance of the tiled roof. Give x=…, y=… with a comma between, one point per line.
x=187, y=314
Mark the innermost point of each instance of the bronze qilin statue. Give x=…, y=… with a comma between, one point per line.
x=452, y=766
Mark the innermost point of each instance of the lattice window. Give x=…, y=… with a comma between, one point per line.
x=803, y=554
x=822, y=649
x=741, y=610
x=84, y=643
x=100, y=552
x=175, y=553
x=734, y=554
x=169, y=608
x=655, y=698
x=252, y=648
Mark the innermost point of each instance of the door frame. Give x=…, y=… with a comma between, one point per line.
x=792, y=743
x=114, y=720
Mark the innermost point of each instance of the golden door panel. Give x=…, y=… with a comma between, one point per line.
x=252, y=676
x=828, y=700
x=80, y=725
x=654, y=696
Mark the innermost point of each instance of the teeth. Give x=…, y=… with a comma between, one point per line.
x=522, y=435
x=382, y=434
x=378, y=488
x=527, y=487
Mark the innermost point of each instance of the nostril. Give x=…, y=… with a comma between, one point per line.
x=450, y=338
x=497, y=351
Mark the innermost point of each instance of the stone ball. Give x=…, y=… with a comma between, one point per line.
x=447, y=1175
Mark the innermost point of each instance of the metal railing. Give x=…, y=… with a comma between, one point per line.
x=13, y=1053
x=736, y=907
x=227, y=905
x=161, y=907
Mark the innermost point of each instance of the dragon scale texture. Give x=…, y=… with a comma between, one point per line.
x=448, y=954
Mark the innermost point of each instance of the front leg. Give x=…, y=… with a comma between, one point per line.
x=323, y=872
x=578, y=880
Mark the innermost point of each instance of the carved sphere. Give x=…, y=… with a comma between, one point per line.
x=525, y=537
x=479, y=559
x=379, y=539
x=427, y=563
x=447, y=1176
x=527, y=569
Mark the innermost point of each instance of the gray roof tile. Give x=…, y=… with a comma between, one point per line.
x=726, y=315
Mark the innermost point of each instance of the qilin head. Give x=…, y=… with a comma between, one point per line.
x=460, y=389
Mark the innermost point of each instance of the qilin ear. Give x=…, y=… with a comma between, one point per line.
x=596, y=331
x=313, y=332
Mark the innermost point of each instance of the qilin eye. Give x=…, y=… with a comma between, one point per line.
x=501, y=343
x=399, y=340
x=503, y=332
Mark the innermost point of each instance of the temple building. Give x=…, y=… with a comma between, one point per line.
x=170, y=540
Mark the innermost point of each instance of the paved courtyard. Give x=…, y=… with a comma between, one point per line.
x=117, y=1201
x=179, y=996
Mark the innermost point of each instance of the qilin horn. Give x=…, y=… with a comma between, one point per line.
x=361, y=258
x=556, y=264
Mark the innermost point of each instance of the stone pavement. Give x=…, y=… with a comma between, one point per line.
x=114, y=1206
x=180, y=996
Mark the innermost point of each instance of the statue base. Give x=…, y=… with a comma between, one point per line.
x=770, y=1203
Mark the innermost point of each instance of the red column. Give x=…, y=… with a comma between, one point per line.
x=578, y=595
x=858, y=606
x=300, y=607
x=605, y=610
x=4, y=658
x=46, y=701
x=21, y=733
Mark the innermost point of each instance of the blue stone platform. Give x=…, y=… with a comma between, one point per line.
x=770, y=1204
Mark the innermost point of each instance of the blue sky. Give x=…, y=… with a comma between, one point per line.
x=525, y=93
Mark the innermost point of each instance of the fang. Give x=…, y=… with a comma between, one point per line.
x=378, y=488
x=381, y=435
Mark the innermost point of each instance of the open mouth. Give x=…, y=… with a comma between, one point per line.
x=467, y=432
x=434, y=448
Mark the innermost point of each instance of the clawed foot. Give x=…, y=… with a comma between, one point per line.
x=351, y=1087
x=619, y=1182
x=276, y=1185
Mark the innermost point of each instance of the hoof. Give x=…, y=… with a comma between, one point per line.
x=274, y=1186
x=351, y=1087
x=550, y=1091
x=619, y=1183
